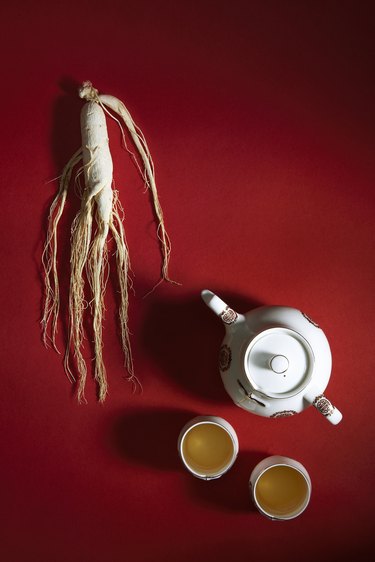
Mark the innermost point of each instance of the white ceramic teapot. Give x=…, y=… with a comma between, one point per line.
x=274, y=361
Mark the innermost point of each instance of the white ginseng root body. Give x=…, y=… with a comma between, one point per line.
x=100, y=215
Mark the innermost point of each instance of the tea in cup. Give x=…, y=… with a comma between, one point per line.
x=280, y=487
x=208, y=446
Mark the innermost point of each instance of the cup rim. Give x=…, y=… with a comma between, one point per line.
x=294, y=513
x=213, y=420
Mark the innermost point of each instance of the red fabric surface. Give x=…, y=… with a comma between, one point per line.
x=260, y=120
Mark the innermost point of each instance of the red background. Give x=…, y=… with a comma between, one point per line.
x=260, y=120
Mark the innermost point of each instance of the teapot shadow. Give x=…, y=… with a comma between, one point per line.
x=182, y=336
x=230, y=492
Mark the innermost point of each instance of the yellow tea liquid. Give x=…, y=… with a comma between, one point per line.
x=281, y=490
x=207, y=448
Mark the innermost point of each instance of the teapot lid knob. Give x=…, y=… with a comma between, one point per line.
x=279, y=364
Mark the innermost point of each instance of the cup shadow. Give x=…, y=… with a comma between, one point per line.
x=230, y=492
x=133, y=437
x=182, y=336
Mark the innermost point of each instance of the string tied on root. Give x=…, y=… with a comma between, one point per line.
x=99, y=216
x=88, y=92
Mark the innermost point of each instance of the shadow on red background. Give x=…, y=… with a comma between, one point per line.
x=65, y=140
x=231, y=491
x=149, y=437
x=182, y=336
x=66, y=130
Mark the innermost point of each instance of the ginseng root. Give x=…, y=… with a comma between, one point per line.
x=100, y=215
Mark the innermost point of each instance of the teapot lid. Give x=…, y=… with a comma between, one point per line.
x=279, y=362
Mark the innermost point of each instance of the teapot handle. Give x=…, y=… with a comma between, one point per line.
x=324, y=406
x=220, y=308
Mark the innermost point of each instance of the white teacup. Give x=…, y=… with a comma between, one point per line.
x=208, y=446
x=280, y=487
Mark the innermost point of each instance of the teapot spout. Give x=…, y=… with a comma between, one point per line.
x=220, y=308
